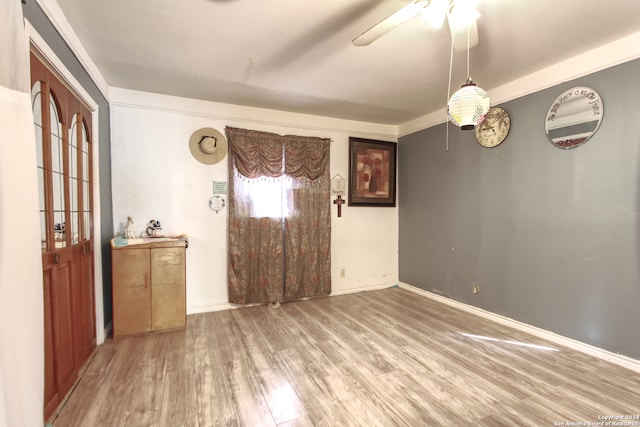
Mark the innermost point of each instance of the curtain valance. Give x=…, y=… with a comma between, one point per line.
x=257, y=154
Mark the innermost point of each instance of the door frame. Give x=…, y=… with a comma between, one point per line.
x=38, y=42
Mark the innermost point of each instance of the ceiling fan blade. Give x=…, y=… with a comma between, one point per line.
x=390, y=22
x=459, y=36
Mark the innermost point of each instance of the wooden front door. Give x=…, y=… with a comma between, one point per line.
x=63, y=144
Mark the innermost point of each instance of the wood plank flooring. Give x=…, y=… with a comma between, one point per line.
x=380, y=358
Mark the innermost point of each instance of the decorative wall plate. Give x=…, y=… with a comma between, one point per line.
x=574, y=117
x=217, y=203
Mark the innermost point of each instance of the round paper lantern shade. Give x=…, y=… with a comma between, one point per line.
x=468, y=106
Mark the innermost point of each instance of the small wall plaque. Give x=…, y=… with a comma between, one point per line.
x=219, y=187
x=337, y=185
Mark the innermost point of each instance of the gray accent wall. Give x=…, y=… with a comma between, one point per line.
x=43, y=26
x=551, y=236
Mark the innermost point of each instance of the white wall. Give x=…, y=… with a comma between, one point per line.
x=21, y=300
x=154, y=176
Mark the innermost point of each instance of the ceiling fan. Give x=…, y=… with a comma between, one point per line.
x=461, y=15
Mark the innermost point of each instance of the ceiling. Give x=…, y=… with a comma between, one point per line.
x=296, y=55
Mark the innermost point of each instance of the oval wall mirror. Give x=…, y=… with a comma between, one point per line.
x=574, y=117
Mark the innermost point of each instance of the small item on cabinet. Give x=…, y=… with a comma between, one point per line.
x=185, y=239
x=129, y=231
x=154, y=229
x=120, y=241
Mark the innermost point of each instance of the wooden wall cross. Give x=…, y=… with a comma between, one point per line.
x=339, y=201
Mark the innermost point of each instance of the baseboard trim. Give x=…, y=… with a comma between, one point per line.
x=209, y=308
x=222, y=307
x=107, y=330
x=361, y=289
x=589, y=349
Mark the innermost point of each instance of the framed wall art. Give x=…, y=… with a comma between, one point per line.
x=372, y=172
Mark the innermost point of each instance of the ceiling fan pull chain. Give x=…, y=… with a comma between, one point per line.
x=453, y=36
x=468, y=76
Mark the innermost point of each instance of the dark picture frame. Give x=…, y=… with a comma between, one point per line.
x=372, y=172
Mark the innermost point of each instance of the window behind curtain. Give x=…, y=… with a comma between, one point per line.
x=279, y=217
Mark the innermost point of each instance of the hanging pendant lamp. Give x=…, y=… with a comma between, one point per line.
x=468, y=106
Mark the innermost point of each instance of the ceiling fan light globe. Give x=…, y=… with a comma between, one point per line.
x=467, y=4
x=461, y=17
x=409, y=11
x=434, y=14
x=468, y=106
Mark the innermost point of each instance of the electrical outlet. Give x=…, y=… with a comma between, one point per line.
x=476, y=289
x=342, y=272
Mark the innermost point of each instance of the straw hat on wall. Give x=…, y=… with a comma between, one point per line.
x=208, y=146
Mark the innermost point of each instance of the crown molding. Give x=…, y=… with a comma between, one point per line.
x=608, y=55
x=57, y=18
x=245, y=114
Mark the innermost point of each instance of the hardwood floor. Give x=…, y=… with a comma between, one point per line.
x=380, y=358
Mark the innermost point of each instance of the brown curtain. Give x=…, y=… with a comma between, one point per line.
x=279, y=217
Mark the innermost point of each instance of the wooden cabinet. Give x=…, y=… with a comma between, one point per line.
x=149, y=287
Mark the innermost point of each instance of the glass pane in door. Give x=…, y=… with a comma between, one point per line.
x=86, y=183
x=73, y=179
x=36, y=106
x=57, y=169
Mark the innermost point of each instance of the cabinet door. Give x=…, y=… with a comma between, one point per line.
x=168, y=290
x=131, y=292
